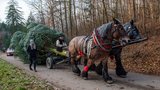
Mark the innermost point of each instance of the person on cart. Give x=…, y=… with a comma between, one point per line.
x=60, y=44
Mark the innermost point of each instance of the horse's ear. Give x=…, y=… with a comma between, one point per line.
x=116, y=21
x=132, y=22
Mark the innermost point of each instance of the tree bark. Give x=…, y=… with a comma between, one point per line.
x=75, y=17
x=61, y=18
x=66, y=21
x=134, y=10
x=70, y=16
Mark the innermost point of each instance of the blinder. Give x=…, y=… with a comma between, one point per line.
x=117, y=29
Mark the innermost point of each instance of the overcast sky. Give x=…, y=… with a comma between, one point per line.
x=21, y=3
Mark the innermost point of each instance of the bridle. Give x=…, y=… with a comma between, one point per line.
x=117, y=29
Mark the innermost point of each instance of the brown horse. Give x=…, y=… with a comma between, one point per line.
x=96, y=48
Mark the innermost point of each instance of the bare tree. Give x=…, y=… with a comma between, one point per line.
x=66, y=20
x=134, y=10
x=70, y=17
x=61, y=17
x=75, y=17
x=38, y=6
x=51, y=12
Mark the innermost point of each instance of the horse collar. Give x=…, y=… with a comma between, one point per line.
x=100, y=42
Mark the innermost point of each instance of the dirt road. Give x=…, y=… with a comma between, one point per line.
x=63, y=79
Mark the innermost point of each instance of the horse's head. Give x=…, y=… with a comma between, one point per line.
x=132, y=30
x=118, y=32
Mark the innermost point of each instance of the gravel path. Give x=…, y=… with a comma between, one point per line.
x=63, y=79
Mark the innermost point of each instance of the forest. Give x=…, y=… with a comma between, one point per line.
x=76, y=17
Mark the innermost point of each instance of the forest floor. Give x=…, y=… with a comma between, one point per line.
x=142, y=57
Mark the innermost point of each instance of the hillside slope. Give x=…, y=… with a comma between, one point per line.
x=143, y=57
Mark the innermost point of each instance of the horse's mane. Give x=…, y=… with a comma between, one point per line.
x=103, y=29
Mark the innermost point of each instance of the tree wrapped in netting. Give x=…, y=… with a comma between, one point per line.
x=17, y=42
x=17, y=36
x=44, y=38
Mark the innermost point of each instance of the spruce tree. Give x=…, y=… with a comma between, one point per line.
x=31, y=18
x=14, y=17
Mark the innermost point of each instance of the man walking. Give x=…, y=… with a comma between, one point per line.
x=32, y=51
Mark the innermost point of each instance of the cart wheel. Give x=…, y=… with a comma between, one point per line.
x=49, y=63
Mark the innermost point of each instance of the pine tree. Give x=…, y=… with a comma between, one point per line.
x=14, y=16
x=31, y=18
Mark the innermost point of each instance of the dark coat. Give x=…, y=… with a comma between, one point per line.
x=32, y=52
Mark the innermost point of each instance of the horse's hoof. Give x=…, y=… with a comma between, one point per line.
x=84, y=74
x=85, y=78
x=109, y=81
x=122, y=76
x=78, y=74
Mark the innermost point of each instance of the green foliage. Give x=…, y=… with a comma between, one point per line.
x=31, y=18
x=43, y=36
x=14, y=17
x=14, y=21
x=17, y=42
x=12, y=78
x=17, y=36
x=20, y=88
x=6, y=40
x=3, y=27
x=4, y=36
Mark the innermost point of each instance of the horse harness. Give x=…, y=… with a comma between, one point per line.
x=85, y=47
x=101, y=38
x=99, y=42
x=95, y=41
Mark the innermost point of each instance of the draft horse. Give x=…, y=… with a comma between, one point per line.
x=96, y=48
x=133, y=34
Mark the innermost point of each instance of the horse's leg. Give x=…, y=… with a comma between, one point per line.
x=120, y=71
x=86, y=69
x=85, y=61
x=105, y=74
x=92, y=67
x=74, y=64
x=98, y=68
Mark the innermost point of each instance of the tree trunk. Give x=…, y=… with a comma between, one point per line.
x=61, y=18
x=144, y=19
x=65, y=9
x=70, y=16
x=75, y=17
x=41, y=13
x=134, y=10
x=52, y=15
